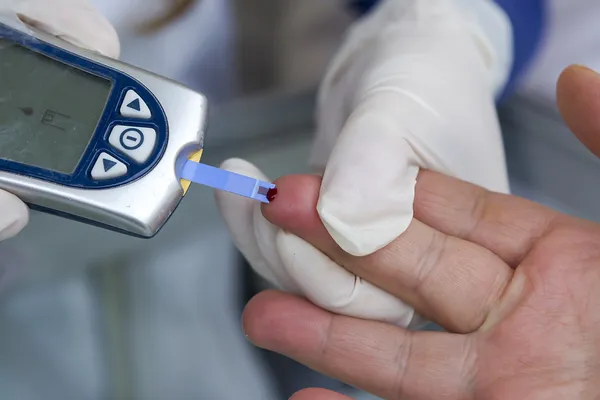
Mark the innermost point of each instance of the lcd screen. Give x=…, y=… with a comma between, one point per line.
x=49, y=111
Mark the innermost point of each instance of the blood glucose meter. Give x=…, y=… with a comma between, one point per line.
x=94, y=139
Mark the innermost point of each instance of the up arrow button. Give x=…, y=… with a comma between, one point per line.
x=134, y=106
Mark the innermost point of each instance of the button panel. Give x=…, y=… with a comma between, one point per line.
x=135, y=142
x=133, y=106
x=107, y=167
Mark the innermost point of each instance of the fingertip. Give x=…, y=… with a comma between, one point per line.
x=258, y=314
x=236, y=210
x=578, y=100
x=95, y=32
x=232, y=204
x=569, y=86
x=232, y=201
x=281, y=322
x=318, y=394
x=574, y=73
x=14, y=215
x=110, y=44
x=241, y=167
x=295, y=205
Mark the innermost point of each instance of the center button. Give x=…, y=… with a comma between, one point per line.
x=136, y=142
x=131, y=139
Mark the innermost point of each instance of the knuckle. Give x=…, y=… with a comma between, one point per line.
x=430, y=259
x=402, y=361
x=477, y=211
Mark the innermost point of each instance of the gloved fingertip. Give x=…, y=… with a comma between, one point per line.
x=243, y=167
x=14, y=215
x=73, y=21
x=236, y=208
x=233, y=164
x=106, y=41
x=99, y=36
x=249, y=230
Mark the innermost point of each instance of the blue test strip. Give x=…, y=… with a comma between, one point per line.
x=228, y=181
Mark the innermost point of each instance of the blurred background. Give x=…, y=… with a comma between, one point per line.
x=90, y=314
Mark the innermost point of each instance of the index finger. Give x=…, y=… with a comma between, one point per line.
x=449, y=280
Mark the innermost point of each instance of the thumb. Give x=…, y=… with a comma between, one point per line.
x=578, y=99
x=367, y=192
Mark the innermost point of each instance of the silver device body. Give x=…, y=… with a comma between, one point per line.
x=141, y=207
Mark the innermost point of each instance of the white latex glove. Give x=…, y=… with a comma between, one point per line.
x=72, y=20
x=75, y=21
x=412, y=86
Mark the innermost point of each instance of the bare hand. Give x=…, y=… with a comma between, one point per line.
x=516, y=285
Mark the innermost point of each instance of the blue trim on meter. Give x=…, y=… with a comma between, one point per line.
x=111, y=117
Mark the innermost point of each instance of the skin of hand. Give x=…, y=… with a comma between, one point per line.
x=515, y=284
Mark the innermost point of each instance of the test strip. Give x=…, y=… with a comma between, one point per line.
x=220, y=179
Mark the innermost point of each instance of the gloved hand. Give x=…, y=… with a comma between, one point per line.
x=72, y=20
x=413, y=86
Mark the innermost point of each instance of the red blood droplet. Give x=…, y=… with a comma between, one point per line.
x=271, y=194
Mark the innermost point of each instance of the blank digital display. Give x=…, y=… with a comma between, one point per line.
x=49, y=111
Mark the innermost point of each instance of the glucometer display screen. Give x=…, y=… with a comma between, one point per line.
x=48, y=110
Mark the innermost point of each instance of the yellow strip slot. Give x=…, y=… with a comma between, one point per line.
x=185, y=184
